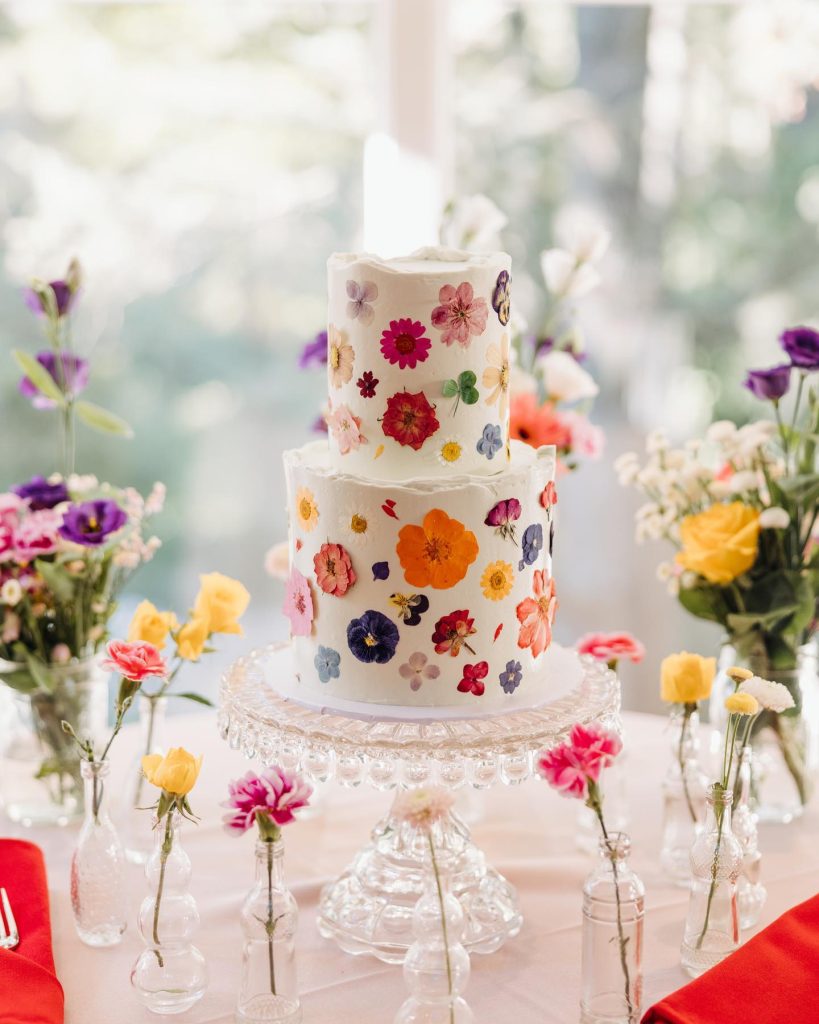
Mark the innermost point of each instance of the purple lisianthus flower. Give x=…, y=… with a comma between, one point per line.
x=802, y=347
x=314, y=352
x=769, y=384
x=91, y=523
x=39, y=493
x=64, y=296
x=70, y=375
x=266, y=799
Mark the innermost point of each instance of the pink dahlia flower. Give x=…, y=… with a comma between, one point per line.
x=274, y=795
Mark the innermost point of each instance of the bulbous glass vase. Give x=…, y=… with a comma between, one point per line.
x=170, y=974
x=135, y=823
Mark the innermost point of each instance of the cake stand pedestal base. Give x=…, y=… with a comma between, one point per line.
x=368, y=909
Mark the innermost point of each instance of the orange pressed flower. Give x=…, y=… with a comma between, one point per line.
x=536, y=615
x=537, y=424
x=437, y=553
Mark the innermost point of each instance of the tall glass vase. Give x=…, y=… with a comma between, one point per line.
x=98, y=867
x=170, y=974
x=40, y=780
x=786, y=746
x=269, y=989
x=136, y=829
x=751, y=893
x=712, y=922
x=613, y=908
x=684, y=788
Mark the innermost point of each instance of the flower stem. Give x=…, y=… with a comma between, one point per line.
x=167, y=846
x=270, y=927
x=688, y=710
x=443, y=924
x=597, y=807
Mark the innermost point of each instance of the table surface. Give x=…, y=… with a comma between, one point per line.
x=528, y=833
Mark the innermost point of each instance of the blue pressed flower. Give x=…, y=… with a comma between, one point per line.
x=373, y=637
x=511, y=676
x=490, y=441
x=381, y=570
x=327, y=662
x=531, y=545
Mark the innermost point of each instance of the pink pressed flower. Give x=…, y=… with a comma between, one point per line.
x=334, y=569
x=136, y=661
x=405, y=343
x=417, y=670
x=460, y=314
x=611, y=647
x=37, y=535
x=275, y=795
x=346, y=429
x=422, y=807
x=570, y=767
x=298, y=604
x=537, y=614
x=548, y=496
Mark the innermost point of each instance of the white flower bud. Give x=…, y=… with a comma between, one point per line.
x=775, y=518
x=11, y=592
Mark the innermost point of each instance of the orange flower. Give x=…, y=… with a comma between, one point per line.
x=536, y=614
x=438, y=553
x=537, y=424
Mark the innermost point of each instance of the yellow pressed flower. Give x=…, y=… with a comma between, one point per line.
x=176, y=772
x=720, y=543
x=742, y=704
x=738, y=675
x=151, y=625
x=307, y=512
x=340, y=357
x=191, y=639
x=686, y=678
x=497, y=580
x=221, y=602
x=496, y=374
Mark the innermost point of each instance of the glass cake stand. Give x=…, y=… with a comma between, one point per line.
x=368, y=909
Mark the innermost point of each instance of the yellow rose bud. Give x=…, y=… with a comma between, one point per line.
x=221, y=601
x=739, y=675
x=176, y=772
x=151, y=625
x=686, y=678
x=192, y=638
x=720, y=543
x=742, y=704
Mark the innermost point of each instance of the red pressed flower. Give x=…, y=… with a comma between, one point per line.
x=472, y=681
x=367, y=384
x=404, y=343
x=410, y=419
x=334, y=569
x=451, y=633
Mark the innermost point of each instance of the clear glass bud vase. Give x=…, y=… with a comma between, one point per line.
x=269, y=988
x=684, y=788
x=436, y=967
x=136, y=829
x=98, y=867
x=613, y=908
x=712, y=923
x=751, y=893
x=170, y=974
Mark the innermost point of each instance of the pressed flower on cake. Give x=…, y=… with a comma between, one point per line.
x=416, y=670
x=366, y=384
x=345, y=429
x=496, y=375
x=372, y=638
x=460, y=315
x=355, y=523
x=334, y=569
x=473, y=679
x=361, y=296
x=340, y=357
x=536, y=614
x=503, y=515
x=405, y=342
x=531, y=545
x=511, y=676
x=298, y=603
x=410, y=607
x=450, y=451
x=497, y=580
x=327, y=662
x=307, y=512
x=490, y=441
x=438, y=553
x=452, y=632
x=502, y=297
x=409, y=419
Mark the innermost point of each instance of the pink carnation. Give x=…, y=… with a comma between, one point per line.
x=275, y=794
x=298, y=604
x=570, y=767
x=586, y=438
x=136, y=661
x=37, y=535
x=611, y=647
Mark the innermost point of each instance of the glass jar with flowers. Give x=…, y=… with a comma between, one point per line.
x=742, y=509
x=269, y=988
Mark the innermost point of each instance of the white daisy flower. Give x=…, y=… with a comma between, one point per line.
x=450, y=451
x=356, y=524
x=771, y=696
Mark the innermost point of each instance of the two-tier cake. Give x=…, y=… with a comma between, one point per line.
x=420, y=537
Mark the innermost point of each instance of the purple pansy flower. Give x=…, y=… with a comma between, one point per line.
x=64, y=296
x=70, y=375
x=372, y=638
x=802, y=347
x=91, y=523
x=769, y=384
x=39, y=493
x=314, y=352
x=503, y=517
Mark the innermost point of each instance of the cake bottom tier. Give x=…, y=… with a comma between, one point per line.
x=429, y=593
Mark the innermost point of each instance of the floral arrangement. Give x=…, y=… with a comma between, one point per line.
x=268, y=801
x=611, y=648
x=685, y=680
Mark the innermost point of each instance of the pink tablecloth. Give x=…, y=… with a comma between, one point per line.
x=528, y=833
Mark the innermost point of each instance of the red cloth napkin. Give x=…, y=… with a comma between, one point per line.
x=772, y=979
x=29, y=990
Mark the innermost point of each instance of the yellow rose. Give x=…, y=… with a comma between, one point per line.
x=151, y=625
x=192, y=638
x=742, y=704
x=176, y=772
x=686, y=678
x=720, y=543
x=221, y=601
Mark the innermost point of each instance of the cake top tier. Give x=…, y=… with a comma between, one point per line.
x=418, y=364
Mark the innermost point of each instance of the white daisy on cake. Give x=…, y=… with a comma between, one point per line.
x=450, y=451
x=356, y=524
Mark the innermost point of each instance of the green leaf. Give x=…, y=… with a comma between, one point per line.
x=39, y=376
x=195, y=697
x=106, y=422
x=450, y=388
x=42, y=677
x=704, y=603
x=470, y=396
x=467, y=379
x=803, y=488
x=57, y=579
x=22, y=681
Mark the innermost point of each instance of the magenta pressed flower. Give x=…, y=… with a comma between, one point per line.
x=273, y=797
x=366, y=384
x=460, y=314
x=405, y=343
x=503, y=516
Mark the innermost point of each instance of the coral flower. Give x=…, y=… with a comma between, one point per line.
x=404, y=342
x=136, y=660
x=437, y=553
x=536, y=614
x=340, y=357
x=334, y=569
x=409, y=419
x=537, y=425
x=460, y=314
